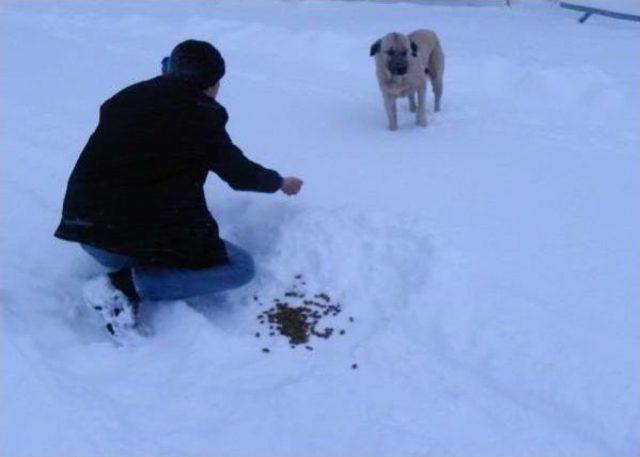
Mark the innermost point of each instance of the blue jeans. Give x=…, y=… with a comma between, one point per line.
x=159, y=283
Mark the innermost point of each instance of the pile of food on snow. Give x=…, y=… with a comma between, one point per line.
x=298, y=316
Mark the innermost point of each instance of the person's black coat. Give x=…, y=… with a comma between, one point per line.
x=137, y=188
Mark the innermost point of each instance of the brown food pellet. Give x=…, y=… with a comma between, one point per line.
x=265, y=350
x=257, y=334
x=324, y=334
x=354, y=366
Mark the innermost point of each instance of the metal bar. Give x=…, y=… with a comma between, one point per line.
x=590, y=10
x=586, y=16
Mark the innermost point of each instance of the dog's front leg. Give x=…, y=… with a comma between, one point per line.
x=421, y=115
x=390, y=107
x=412, y=102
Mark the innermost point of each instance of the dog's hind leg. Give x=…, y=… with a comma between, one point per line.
x=412, y=102
x=421, y=115
x=392, y=114
x=436, y=84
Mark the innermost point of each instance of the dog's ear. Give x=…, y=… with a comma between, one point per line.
x=375, y=48
x=414, y=49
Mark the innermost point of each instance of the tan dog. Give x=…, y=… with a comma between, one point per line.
x=403, y=63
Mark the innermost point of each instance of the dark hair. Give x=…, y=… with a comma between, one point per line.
x=197, y=62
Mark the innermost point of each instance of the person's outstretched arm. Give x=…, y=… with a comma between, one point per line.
x=227, y=160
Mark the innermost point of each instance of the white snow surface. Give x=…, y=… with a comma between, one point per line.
x=491, y=260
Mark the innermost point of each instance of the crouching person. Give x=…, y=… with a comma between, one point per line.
x=135, y=199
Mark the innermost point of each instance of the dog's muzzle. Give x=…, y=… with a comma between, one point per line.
x=398, y=70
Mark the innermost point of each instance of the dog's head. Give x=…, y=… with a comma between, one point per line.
x=395, y=50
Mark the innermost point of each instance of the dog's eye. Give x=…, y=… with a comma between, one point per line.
x=403, y=53
x=391, y=52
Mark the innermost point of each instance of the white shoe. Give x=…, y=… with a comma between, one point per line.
x=118, y=312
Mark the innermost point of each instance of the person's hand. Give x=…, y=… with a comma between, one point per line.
x=291, y=185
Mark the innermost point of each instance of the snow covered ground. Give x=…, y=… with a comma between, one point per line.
x=491, y=260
